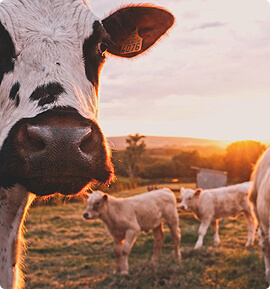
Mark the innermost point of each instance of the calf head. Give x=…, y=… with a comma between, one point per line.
x=188, y=197
x=95, y=205
x=51, y=54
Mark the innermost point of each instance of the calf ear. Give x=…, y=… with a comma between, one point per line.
x=197, y=193
x=105, y=197
x=134, y=29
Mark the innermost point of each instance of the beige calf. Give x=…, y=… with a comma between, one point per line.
x=211, y=205
x=126, y=217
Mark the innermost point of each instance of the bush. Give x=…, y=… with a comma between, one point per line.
x=121, y=184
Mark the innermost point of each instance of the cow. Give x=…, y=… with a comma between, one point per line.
x=211, y=205
x=126, y=217
x=51, y=54
x=259, y=197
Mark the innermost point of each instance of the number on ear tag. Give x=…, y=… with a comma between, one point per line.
x=132, y=44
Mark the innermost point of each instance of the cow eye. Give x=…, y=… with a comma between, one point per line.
x=97, y=203
x=102, y=47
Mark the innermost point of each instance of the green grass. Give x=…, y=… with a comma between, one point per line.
x=65, y=251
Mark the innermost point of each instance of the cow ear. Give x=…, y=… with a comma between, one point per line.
x=197, y=193
x=105, y=197
x=134, y=29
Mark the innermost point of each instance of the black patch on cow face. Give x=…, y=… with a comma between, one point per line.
x=14, y=95
x=7, y=52
x=93, y=59
x=48, y=93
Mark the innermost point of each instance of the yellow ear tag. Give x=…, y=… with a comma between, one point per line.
x=132, y=44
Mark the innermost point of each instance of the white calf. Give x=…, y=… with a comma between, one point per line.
x=126, y=217
x=260, y=198
x=211, y=205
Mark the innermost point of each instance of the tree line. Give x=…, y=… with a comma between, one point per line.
x=139, y=161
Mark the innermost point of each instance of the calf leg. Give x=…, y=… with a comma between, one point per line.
x=130, y=238
x=215, y=227
x=176, y=238
x=202, y=231
x=118, y=254
x=251, y=229
x=158, y=241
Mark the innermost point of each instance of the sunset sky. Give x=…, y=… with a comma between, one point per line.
x=208, y=78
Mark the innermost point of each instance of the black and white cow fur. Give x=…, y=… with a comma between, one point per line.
x=51, y=53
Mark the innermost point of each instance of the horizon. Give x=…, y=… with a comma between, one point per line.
x=192, y=137
x=225, y=141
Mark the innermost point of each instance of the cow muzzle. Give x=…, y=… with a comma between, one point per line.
x=57, y=151
x=182, y=207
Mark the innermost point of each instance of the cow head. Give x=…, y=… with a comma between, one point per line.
x=96, y=203
x=51, y=54
x=188, y=198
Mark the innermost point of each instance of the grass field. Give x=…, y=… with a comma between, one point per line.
x=65, y=251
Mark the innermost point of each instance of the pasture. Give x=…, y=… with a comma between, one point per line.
x=65, y=251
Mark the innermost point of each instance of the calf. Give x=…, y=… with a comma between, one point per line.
x=211, y=205
x=259, y=197
x=126, y=217
x=51, y=54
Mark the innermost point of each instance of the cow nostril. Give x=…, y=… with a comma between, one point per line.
x=87, y=142
x=34, y=137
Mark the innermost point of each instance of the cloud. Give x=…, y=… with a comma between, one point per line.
x=208, y=25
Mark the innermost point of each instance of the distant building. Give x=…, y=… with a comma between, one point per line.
x=208, y=179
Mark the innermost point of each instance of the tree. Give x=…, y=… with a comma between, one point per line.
x=240, y=158
x=160, y=170
x=133, y=153
x=184, y=161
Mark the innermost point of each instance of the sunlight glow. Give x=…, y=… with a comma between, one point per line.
x=224, y=118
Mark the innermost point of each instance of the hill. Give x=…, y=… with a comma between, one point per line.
x=153, y=142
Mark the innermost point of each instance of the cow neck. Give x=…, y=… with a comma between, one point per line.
x=196, y=206
x=13, y=207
